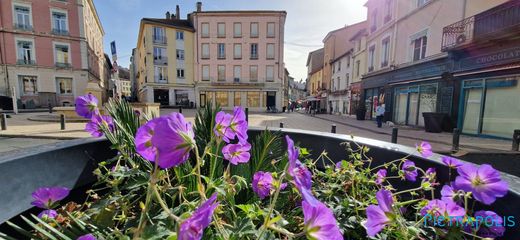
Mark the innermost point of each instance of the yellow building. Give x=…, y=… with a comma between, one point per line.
x=164, y=61
x=315, y=72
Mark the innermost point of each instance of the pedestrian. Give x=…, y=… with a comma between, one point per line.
x=380, y=113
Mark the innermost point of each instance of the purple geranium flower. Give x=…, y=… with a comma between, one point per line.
x=262, y=184
x=378, y=216
x=87, y=237
x=301, y=175
x=430, y=175
x=237, y=153
x=95, y=126
x=48, y=214
x=380, y=176
x=222, y=121
x=484, y=182
x=451, y=162
x=173, y=136
x=490, y=224
x=319, y=220
x=446, y=209
x=425, y=149
x=193, y=227
x=46, y=197
x=86, y=106
x=143, y=140
x=410, y=171
x=292, y=152
x=228, y=126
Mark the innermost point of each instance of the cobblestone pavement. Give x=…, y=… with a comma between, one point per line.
x=20, y=127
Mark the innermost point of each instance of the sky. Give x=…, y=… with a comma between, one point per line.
x=307, y=23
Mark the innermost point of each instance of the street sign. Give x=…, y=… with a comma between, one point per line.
x=113, y=50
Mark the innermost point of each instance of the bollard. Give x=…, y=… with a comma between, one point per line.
x=456, y=139
x=333, y=128
x=281, y=125
x=4, y=121
x=394, y=134
x=50, y=108
x=516, y=139
x=247, y=114
x=62, y=121
x=180, y=110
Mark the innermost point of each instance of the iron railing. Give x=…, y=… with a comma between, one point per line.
x=58, y=31
x=63, y=65
x=25, y=62
x=159, y=39
x=24, y=27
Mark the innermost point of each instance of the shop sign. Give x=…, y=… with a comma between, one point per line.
x=496, y=58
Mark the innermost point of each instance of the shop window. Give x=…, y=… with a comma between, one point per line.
x=221, y=98
x=238, y=99
x=253, y=99
x=64, y=86
x=29, y=85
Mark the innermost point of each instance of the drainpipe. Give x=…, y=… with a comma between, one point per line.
x=464, y=4
x=3, y=57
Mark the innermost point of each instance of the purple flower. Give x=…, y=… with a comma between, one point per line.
x=490, y=224
x=319, y=220
x=237, y=153
x=96, y=124
x=446, y=209
x=338, y=165
x=378, y=215
x=87, y=237
x=292, y=152
x=301, y=175
x=425, y=149
x=222, y=121
x=239, y=124
x=380, y=176
x=484, y=182
x=262, y=184
x=430, y=175
x=228, y=126
x=47, y=196
x=410, y=171
x=452, y=194
x=174, y=139
x=193, y=227
x=86, y=106
x=451, y=162
x=143, y=140
x=48, y=214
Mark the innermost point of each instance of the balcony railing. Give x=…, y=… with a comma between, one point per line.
x=160, y=80
x=158, y=39
x=25, y=62
x=63, y=65
x=57, y=31
x=495, y=23
x=160, y=60
x=24, y=27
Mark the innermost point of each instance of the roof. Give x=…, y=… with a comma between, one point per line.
x=355, y=25
x=360, y=33
x=178, y=23
x=342, y=55
x=315, y=60
x=240, y=12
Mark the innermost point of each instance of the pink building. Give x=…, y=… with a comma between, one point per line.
x=49, y=50
x=239, y=58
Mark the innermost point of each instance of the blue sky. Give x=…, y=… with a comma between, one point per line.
x=308, y=21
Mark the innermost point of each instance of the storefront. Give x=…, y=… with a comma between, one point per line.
x=411, y=101
x=354, y=97
x=373, y=97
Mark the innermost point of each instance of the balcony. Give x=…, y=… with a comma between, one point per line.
x=158, y=39
x=63, y=65
x=160, y=60
x=62, y=32
x=497, y=23
x=25, y=62
x=23, y=27
x=159, y=79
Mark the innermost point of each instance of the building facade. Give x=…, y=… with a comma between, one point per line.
x=339, y=96
x=239, y=58
x=315, y=78
x=164, y=61
x=359, y=41
x=51, y=51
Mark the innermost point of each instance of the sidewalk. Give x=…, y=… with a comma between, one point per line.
x=467, y=143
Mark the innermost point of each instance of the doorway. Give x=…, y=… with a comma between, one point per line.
x=271, y=99
x=161, y=96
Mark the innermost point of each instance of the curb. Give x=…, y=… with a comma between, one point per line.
x=38, y=137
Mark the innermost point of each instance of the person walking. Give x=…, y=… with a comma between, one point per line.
x=380, y=114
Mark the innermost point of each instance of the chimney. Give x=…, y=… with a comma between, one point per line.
x=177, y=12
x=168, y=15
x=199, y=6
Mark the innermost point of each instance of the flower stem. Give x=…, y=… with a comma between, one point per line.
x=408, y=190
x=272, y=204
x=142, y=222
x=164, y=206
x=200, y=186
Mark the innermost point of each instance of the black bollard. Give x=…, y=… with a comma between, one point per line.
x=456, y=140
x=62, y=121
x=50, y=108
x=333, y=128
x=516, y=139
x=281, y=125
x=394, y=134
x=180, y=110
x=4, y=121
x=247, y=114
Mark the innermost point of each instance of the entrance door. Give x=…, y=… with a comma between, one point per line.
x=271, y=99
x=401, y=101
x=413, y=104
x=202, y=102
x=161, y=96
x=472, y=107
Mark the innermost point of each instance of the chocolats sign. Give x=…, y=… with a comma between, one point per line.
x=496, y=58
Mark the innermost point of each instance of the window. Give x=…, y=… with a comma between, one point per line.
x=419, y=48
x=253, y=73
x=23, y=18
x=254, y=50
x=62, y=55
x=161, y=74
x=221, y=51
x=180, y=54
x=253, y=99
x=421, y=3
x=159, y=55
x=221, y=73
x=29, y=85
x=237, y=30
x=64, y=86
x=221, y=98
x=269, y=73
x=371, y=56
x=385, y=44
x=59, y=23
x=237, y=51
x=339, y=65
x=158, y=35
x=25, y=52
x=205, y=30
x=254, y=29
x=237, y=73
x=270, y=29
x=238, y=99
x=373, y=26
x=270, y=51
x=179, y=35
x=221, y=30
x=388, y=11
x=180, y=73
x=205, y=72
x=347, y=77
x=337, y=83
x=205, y=51
x=348, y=61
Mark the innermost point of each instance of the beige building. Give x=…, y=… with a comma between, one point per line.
x=315, y=73
x=164, y=61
